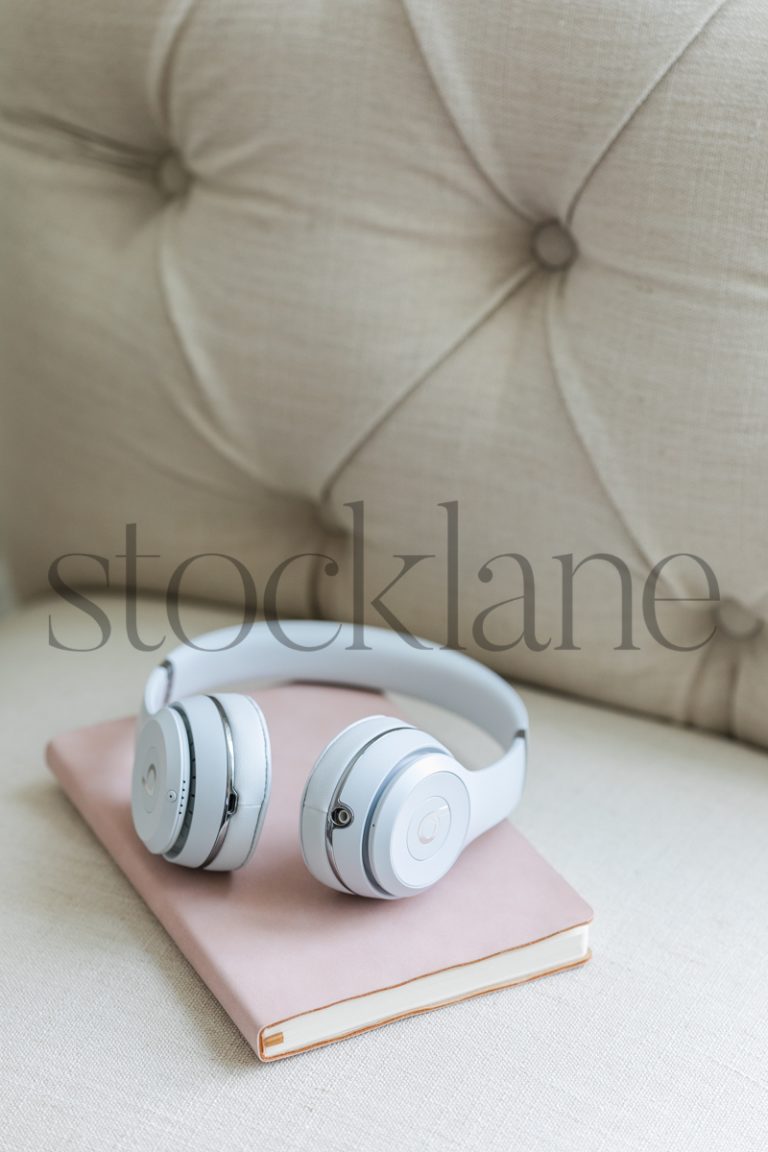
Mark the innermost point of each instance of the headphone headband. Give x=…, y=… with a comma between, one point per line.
x=388, y=662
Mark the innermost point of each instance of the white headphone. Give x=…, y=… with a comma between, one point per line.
x=386, y=810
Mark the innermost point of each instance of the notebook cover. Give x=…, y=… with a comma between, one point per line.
x=269, y=940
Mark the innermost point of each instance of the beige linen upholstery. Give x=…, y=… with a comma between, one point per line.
x=109, y=1040
x=261, y=260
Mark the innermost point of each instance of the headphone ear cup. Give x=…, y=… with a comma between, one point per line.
x=380, y=772
x=190, y=779
x=201, y=781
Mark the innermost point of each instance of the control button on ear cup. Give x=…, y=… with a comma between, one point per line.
x=161, y=767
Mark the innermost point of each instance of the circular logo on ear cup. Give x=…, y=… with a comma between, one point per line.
x=149, y=780
x=429, y=827
x=419, y=826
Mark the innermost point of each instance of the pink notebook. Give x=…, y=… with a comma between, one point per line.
x=296, y=965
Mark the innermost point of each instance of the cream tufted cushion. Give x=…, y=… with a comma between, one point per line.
x=262, y=260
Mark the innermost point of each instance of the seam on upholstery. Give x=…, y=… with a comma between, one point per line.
x=680, y=709
x=636, y=107
x=65, y=138
x=492, y=184
x=499, y=297
x=737, y=663
x=758, y=606
x=554, y=288
x=691, y=692
x=161, y=61
x=204, y=423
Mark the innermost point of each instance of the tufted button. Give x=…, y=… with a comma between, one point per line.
x=172, y=176
x=553, y=246
x=736, y=621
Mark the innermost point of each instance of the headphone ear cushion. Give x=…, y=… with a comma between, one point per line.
x=252, y=778
x=323, y=783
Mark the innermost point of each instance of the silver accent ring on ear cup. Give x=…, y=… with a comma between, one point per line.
x=395, y=771
x=231, y=797
x=329, y=824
